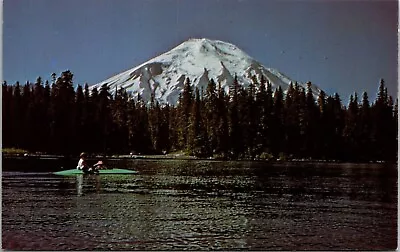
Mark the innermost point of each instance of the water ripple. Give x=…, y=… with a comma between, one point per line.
x=202, y=206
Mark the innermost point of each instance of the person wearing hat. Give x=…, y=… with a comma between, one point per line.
x=82, y=165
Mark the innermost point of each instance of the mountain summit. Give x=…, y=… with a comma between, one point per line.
x=199, y=60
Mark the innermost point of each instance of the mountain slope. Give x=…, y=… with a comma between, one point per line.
x=199, y=60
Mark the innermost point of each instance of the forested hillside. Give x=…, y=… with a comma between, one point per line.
x=251, y=122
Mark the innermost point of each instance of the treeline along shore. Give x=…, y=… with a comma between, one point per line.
x=254, y=122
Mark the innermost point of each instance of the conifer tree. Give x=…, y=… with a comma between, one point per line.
x=197, y=140
x=350, y=130
x=159, y=126
x=104, y=117
x=260, y=104
x=267, y=119
x=37, y=113
x=302, y=117
x=86, y=119
x=119, y=129
x=278, y=138
x=250, y=122
x=132, y=117
x=244, y=118
x=394, y=145
x=212, y=114
x=79, y=123
x=339, y=114
x=365, y=129
x=291, y=120
x=184, y=108
x=62, y=104
x=173, y=125
x=47, y=116
x=381, y=118
x=164, y=143
x=7, y=99
x=330, y=145
x=153, y=122
x=95, y=143
x=311, y=123
x=27, y=105
x=223, y=124
x=16, y=117
x=322, y=123
x=235, y=134
x=143, y=137
x=391, y=132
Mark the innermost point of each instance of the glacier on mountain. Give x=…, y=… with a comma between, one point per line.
x=199, y=60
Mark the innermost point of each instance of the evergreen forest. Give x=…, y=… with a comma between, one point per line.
x=254, y=122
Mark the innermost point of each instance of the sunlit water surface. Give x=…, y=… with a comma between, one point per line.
x=203, y=205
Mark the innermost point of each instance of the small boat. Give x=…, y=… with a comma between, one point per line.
x=101, y=172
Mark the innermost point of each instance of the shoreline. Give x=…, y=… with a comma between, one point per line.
x=185, y=157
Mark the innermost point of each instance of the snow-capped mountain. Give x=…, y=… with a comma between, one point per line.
x=198, y=59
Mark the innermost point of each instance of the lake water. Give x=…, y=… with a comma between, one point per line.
x=202, y=205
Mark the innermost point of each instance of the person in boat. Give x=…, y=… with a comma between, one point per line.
x=82, y=164
x=98, y=166
x=82, y=161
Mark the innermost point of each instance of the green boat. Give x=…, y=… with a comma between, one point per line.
x=101, y=172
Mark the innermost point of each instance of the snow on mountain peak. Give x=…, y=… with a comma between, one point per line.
x=196, y=59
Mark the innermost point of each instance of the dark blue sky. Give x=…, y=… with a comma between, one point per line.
x=341, y=46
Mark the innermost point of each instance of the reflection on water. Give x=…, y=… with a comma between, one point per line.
x=79, y=184
x=192, y=205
